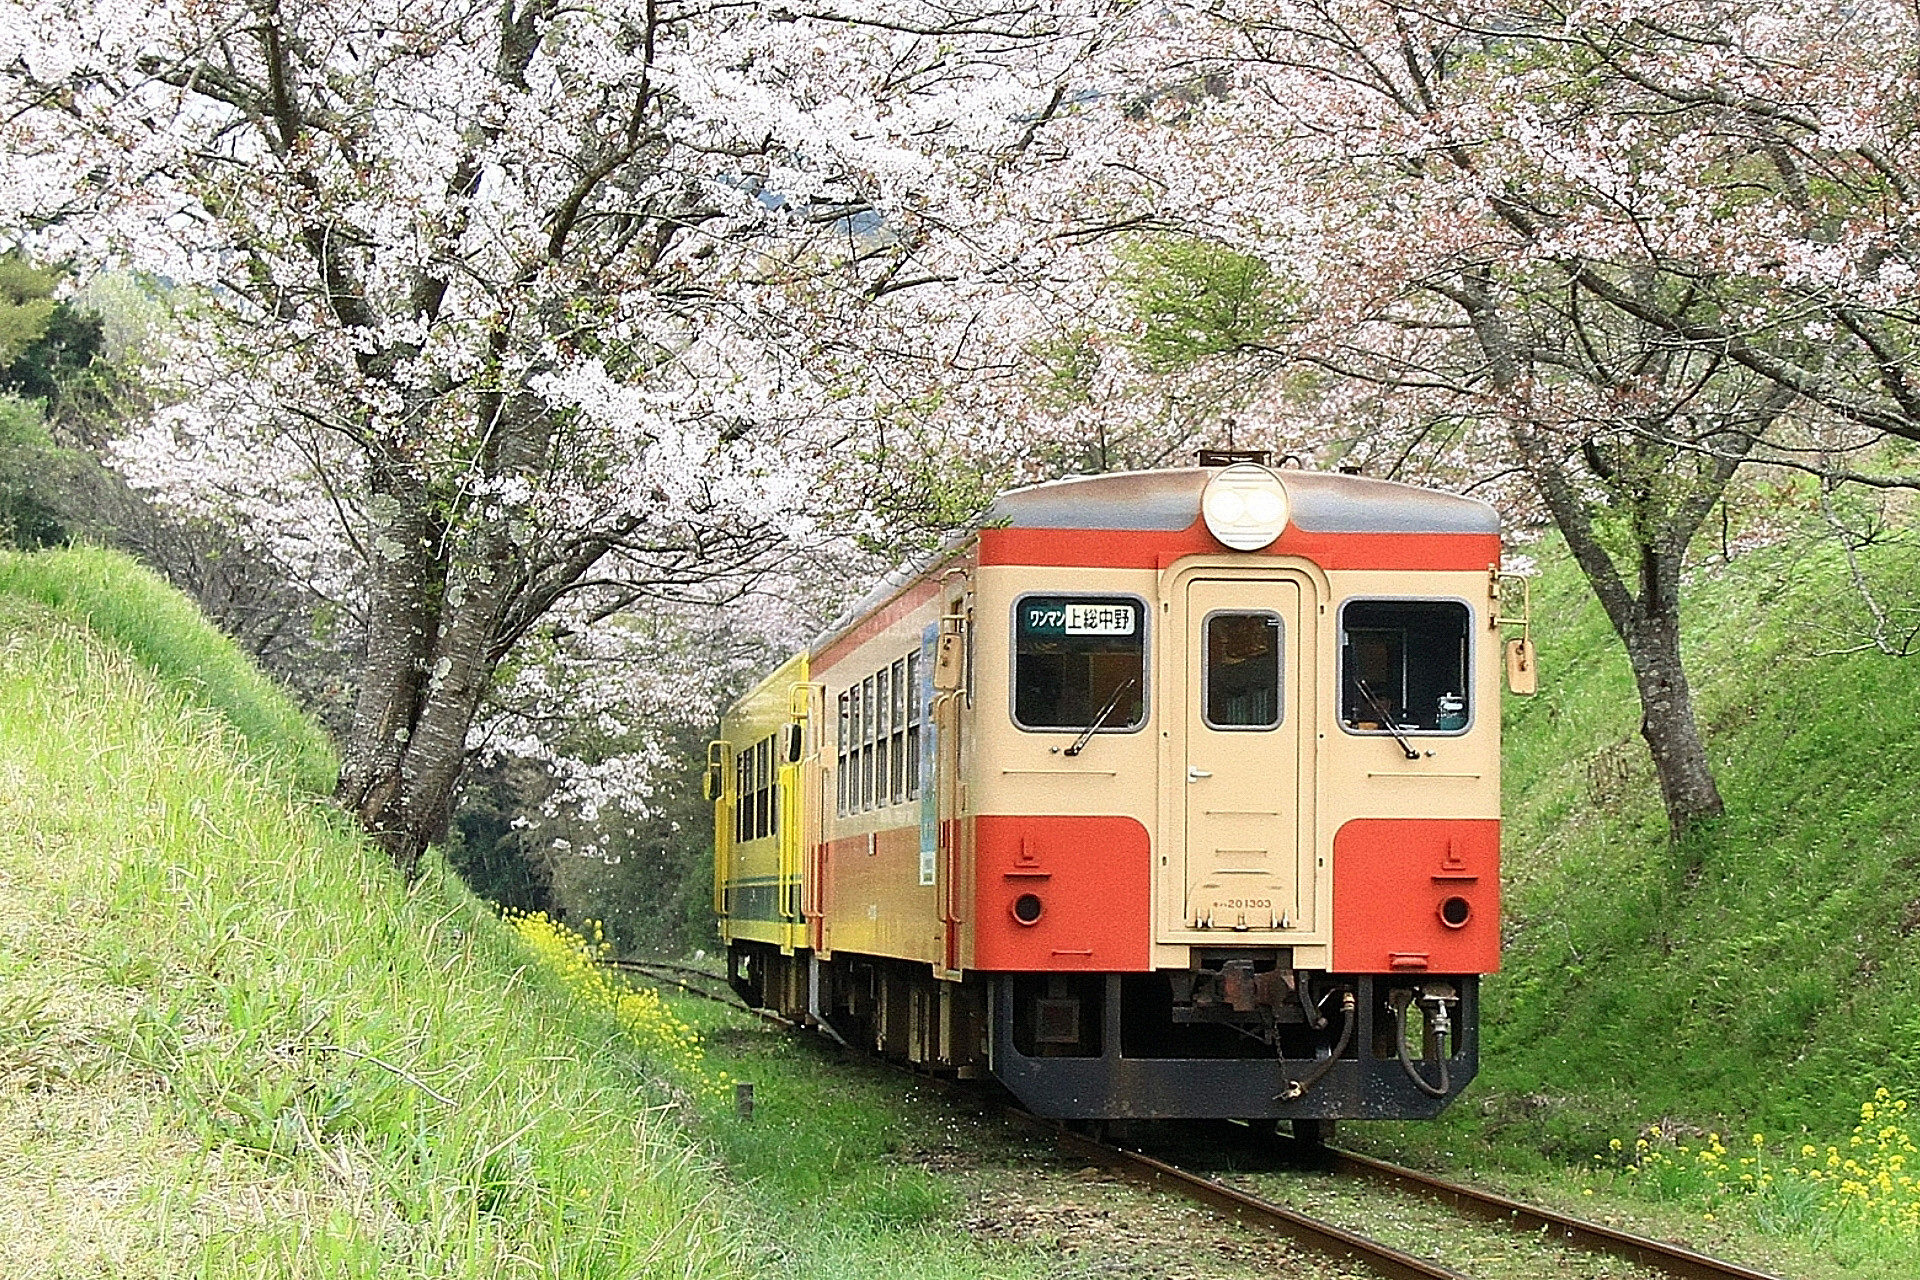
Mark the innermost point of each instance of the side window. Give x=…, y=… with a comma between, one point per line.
x=1076, y=656
x=913, y=726
x=840, y=760
x=772, y=783
x=760, y=788
x=897, y=750
x=1403, y=665
x=867, y=710
x=742, y=795
x=882, y=736
x=1242, y=674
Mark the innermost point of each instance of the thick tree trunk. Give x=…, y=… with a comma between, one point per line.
x=1652, y=638
x=437, y=614
x=411, y=724
x=1667, y=722
x=403, y=601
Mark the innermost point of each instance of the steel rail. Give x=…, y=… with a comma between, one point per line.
x=1671, y=1259
x=1251, y=1210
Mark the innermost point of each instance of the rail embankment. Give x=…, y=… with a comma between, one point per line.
x=1730, y=1027
x=231, y=1043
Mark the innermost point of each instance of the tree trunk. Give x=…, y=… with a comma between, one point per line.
x=403, y=600
x=1647, y=621
x=436, y=615
x=1667, y=722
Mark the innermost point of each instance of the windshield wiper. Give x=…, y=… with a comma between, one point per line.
x=1387, y=720
x=1087, y=733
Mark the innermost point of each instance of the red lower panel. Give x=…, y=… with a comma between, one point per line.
x=1417, y=895
x=1090, y=879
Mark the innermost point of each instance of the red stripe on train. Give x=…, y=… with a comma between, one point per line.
x=1158, y=548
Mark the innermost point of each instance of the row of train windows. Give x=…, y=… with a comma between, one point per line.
x=1081, y=661
x=756, y=788
x=879, y=739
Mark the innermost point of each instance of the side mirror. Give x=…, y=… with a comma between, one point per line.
x=713, y=783
x=1523, y=676
x=710, y=785
x=950, y=657
x=792, y=740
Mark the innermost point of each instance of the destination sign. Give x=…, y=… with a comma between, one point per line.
x=1055, y=617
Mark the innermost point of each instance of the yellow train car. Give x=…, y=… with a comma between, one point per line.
x=1169, y=793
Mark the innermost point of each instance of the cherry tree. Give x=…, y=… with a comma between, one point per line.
x=515, y=312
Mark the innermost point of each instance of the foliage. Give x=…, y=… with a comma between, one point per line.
x=237, y=1046
x=1198, y=300
x=648, y=880
x=26, y=306
x=28, y=459
x=1865, y=1183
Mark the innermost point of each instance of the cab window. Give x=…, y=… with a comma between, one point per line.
x=1077, y=656
x=1403, y=666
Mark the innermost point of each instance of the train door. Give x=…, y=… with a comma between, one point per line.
x=1243, y=722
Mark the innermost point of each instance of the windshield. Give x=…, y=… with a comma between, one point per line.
x=1072, y=655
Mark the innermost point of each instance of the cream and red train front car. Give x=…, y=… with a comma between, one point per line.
x=1166, y=794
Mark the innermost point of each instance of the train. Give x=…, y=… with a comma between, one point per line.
x=1168, y=794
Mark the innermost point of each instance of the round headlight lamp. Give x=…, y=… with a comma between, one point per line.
x=1245, y=506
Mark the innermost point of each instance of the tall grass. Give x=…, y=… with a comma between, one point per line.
x=232, y=1044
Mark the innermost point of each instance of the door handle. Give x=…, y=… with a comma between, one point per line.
x=1194, y=775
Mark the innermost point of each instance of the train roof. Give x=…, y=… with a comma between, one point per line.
x=1169, y=500
x=1322, y=502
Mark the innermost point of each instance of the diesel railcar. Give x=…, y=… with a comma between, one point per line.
x=1161, y=794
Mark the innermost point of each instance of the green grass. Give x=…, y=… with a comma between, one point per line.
x=1765, y=978
x=112, y=596
x=233, y=1044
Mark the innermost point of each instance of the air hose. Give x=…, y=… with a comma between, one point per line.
x=1440, y=1028
x=1297, y=1087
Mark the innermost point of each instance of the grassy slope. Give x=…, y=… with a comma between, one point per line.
x=131, y=608
x=1765, y=979
x=229, y=1043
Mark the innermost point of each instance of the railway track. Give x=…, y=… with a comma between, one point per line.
x=1553, y=1229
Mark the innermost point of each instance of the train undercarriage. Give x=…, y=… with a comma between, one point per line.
x=1239, y=1035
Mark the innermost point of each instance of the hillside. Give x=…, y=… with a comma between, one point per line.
x=230, y=1043
x=1675, y=1030
x=1767, y=976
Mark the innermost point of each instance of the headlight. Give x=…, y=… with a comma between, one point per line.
x=1245, y=506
